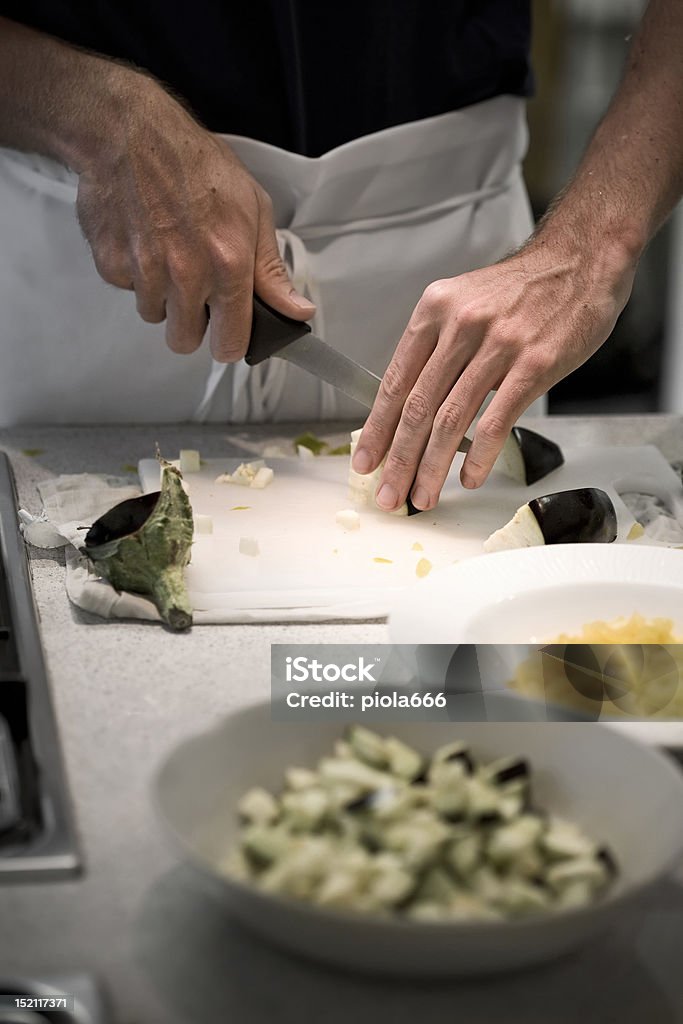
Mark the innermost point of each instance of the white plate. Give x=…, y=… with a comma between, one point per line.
x=618, y=790
x=529, y=596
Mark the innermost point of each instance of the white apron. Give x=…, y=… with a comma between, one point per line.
x=364, y=229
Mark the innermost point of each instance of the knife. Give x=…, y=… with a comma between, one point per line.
x=276, y=335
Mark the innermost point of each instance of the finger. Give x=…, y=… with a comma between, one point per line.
x=114, y=265
x=231, y=311
x=445, y=366
x=412, y=353
x=513, y=397
x=271, y=280
x=186, y=321
x=450, y=425
x=150, y=292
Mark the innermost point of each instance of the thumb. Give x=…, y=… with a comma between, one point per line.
x=271, y=280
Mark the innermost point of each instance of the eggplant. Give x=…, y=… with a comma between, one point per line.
x=143, y=545
x=585, y=515
x=527, y=456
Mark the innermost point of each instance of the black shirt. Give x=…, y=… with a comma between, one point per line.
x=306, y=75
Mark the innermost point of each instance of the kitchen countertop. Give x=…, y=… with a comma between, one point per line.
x=125, y=693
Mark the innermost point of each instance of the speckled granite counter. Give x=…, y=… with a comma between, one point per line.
x=125, y=693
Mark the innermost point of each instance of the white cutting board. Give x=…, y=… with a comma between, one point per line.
x=310, y=569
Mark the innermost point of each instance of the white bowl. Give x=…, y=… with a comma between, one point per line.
x=623, y=793
x=530, y=595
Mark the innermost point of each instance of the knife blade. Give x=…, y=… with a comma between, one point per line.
x=276, y=336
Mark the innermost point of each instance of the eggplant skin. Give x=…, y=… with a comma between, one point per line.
x=540, y=455
x=585, y=515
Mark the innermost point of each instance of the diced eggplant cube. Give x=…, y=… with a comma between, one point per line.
x=564, y=839
x=578, y=869
x=264, y=844
x=368, y=746
x=258, y=806
x=508, y=842
x=403, y=760
x=455, y=752
x=306, y=808
x=507, y=769
x=464, y=854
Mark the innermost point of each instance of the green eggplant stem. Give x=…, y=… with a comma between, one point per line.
x=171, y=598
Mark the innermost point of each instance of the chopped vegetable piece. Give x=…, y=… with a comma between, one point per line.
x=423, y=568
x=248, y=474
x=189, y=461
x=383, y=561
x=342, y=449
x=378, y=828
x=368, y=746
x=363, y=486
x=417, y=546
x=258, y=806
x=314, y=444
x=637, y=530
x=303, y=452
x=584, y=515
x=264, y=477
x=249, y=546
x=202, y=524
x=128, y=467
x=348, y=519
x=33, y=452
x=240, y=508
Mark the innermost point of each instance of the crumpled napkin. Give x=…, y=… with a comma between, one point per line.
x=662, y=523
x=71, y=504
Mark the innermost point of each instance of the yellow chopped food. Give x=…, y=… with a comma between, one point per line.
x=423, y=568
x=383, y=561
x=635, y=630
x=240, y=508
x=630, y=667
x=417, y=546
x=637, y=530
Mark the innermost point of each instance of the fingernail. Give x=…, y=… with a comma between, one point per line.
x=362, y=461
x=469, y=481
x=420, y=498
x=387, y=497
x=301, y=301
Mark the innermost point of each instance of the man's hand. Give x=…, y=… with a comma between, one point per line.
x=516, y=327
x=170, y=212
x=168, y=209
x=522, y=325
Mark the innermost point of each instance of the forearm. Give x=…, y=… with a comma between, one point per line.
x=63, y=102
x=631, y=175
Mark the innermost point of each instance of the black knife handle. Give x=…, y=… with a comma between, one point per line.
x=270, y=332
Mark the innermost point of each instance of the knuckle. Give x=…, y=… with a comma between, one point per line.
x=112, y=267
x=271, y=266
x=437, y=295
x=470, y=315
x=392, y=387
x=417, y=410
x=264, y=201
x=537, y=364
x=449, y=419
x=493, y=428
x=399, y=462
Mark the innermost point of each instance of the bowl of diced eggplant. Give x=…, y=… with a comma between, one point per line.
x=423, y=849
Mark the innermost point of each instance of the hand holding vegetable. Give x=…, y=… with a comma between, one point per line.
x=523, y=324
